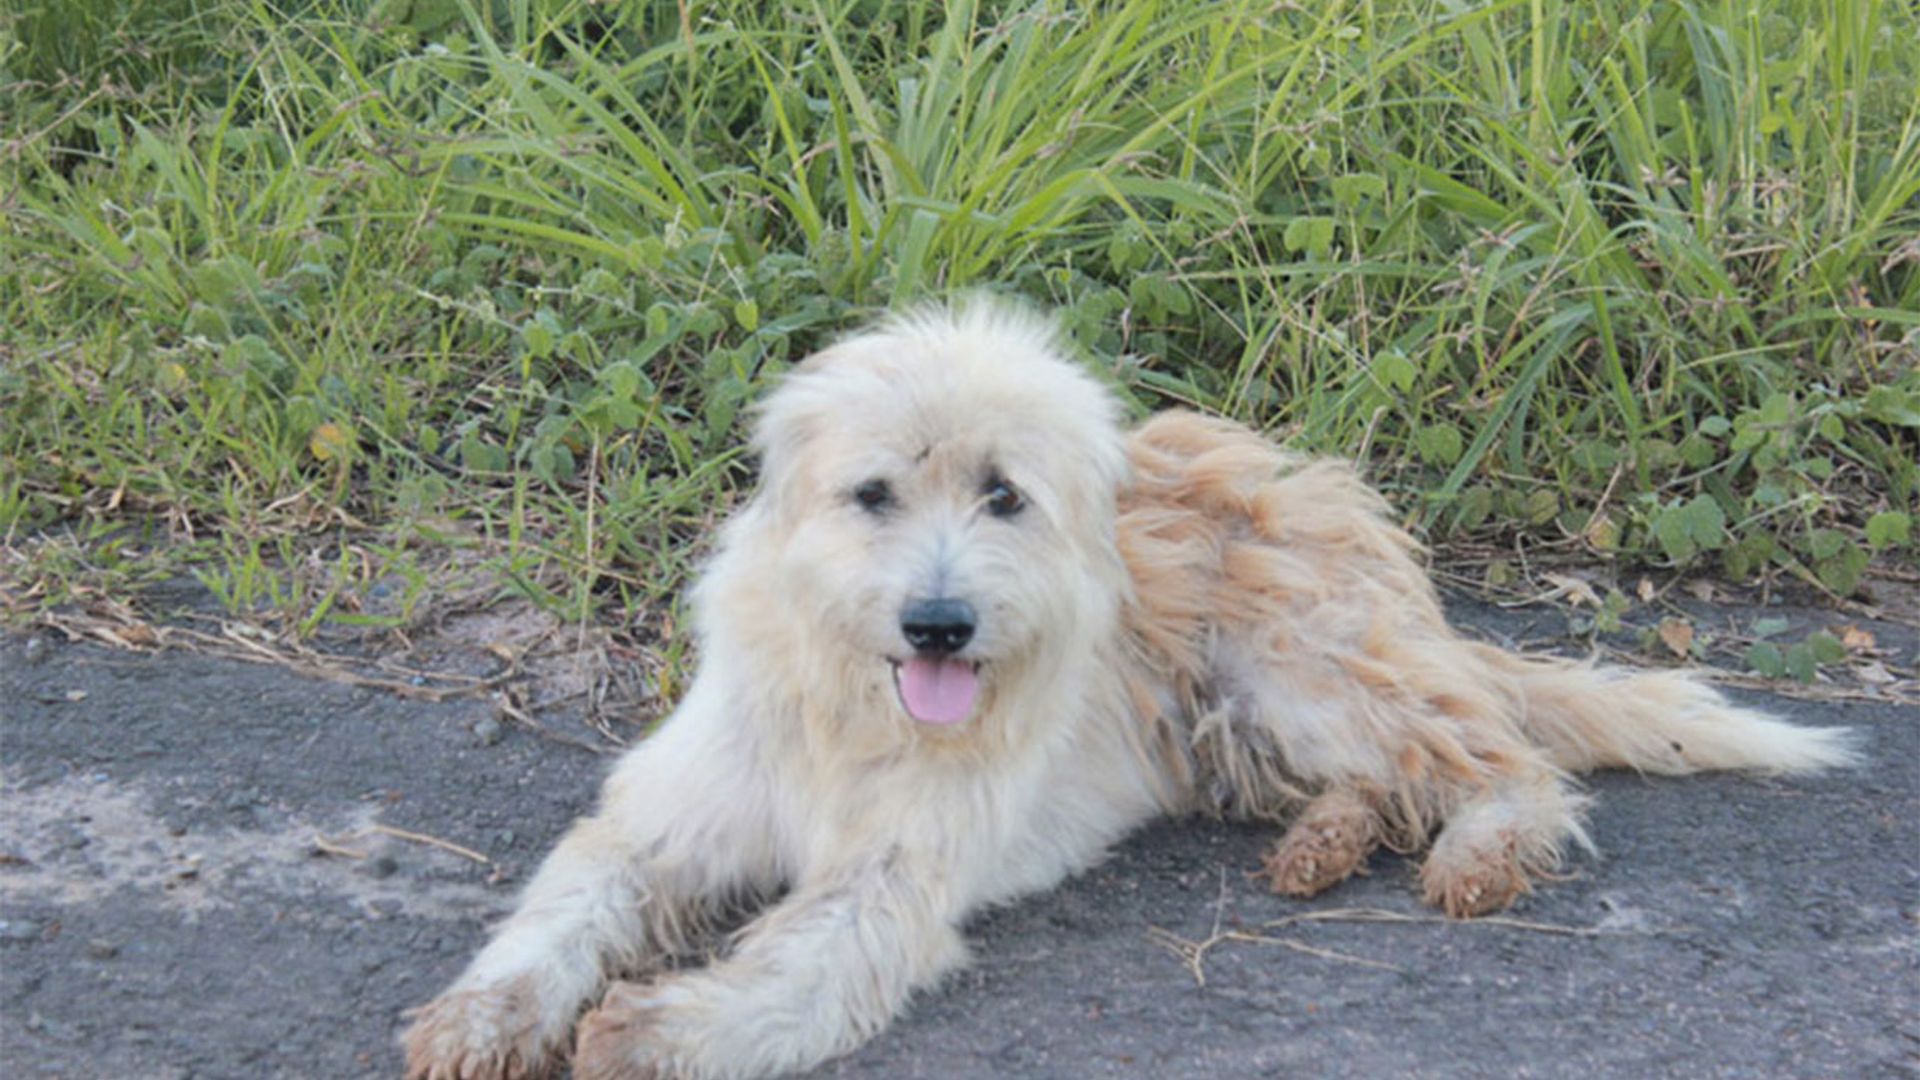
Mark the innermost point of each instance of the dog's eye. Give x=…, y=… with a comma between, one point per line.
x=873, y=496
x=1003, y=499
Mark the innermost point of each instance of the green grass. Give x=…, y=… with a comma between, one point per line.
x=283, y=283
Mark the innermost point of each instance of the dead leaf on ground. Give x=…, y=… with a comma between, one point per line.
x=1602, y=533
x=1574, y=589
x=1855, y=639
x=1874, y=672
x=1677, y=634
x=1645, y=590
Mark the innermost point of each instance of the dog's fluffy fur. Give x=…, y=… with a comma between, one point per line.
x=1179, y=618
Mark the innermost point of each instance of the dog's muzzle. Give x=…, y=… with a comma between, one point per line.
x=936, y=686
x=938, y=627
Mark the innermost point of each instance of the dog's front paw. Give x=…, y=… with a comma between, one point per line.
x=621, y=1039
x=489, y=1033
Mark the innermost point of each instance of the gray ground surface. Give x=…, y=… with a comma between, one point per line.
x=163, y=911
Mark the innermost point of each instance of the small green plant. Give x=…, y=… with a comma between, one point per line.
x=1800, y=660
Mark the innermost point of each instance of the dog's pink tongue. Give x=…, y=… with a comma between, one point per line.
x=938, y=691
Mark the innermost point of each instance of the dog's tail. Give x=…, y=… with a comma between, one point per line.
x=1662, y=722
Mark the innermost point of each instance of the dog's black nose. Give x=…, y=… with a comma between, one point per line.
x=938, y=626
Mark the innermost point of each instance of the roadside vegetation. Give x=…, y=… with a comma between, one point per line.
x=300, y=296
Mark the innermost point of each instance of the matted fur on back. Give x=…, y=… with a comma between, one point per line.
x=1259, y=572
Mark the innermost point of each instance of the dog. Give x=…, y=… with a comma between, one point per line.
x=969, y=632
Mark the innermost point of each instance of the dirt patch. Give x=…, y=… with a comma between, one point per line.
x=80, y=840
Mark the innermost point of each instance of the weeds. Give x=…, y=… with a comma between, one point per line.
x=1630, y=279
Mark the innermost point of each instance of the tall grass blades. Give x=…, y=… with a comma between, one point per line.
x=1630, y=278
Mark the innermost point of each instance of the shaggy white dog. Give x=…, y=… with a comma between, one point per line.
x=968, y=634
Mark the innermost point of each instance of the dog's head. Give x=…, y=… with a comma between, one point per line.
x=937, y=500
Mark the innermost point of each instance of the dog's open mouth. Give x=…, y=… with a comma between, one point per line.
x=937, y=689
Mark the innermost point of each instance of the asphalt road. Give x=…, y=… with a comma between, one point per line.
x=167, y=908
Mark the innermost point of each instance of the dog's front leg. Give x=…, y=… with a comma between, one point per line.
x=682, y=825
x=812, y=979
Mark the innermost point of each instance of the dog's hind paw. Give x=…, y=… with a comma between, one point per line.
x=1474, y=882
x=1329, y=843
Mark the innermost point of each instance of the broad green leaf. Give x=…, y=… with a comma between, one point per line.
x=1392, y=367
x=1309, y=235
x=539, y=334
x=1439, y=444
x=1349, y=190
x=1842, y=572
x=1800, y=664
x=1476, y=504
x=1825, y=543
x=1888, y=528
x=1826, y=648
x=1765, y=657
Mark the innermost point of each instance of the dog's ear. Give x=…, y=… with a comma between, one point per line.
x=801, y=407
x=821, y=360
x=791, y=416
x=791, y=413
